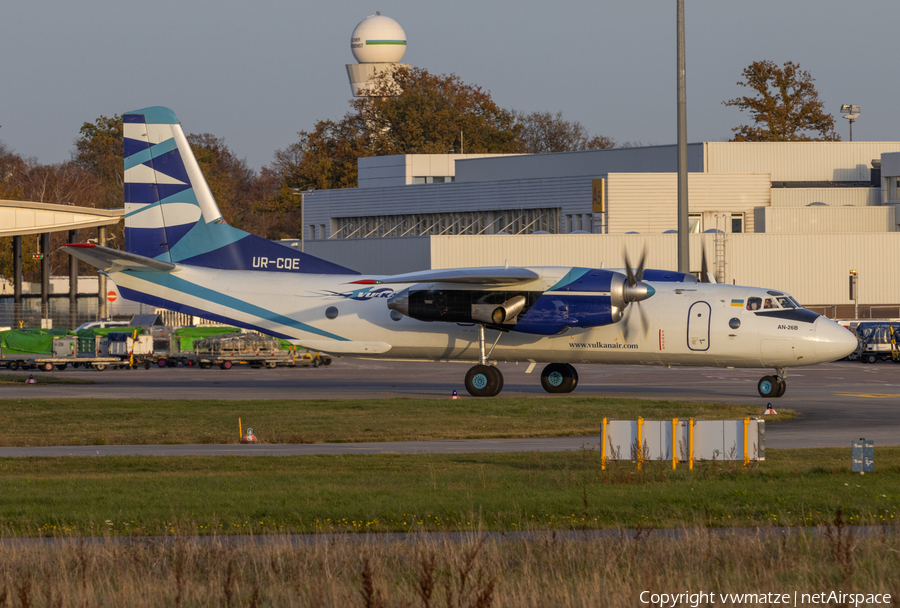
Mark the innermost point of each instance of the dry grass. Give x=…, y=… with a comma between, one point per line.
x=475, y=572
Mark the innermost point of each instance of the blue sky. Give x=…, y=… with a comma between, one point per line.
x=256, y=73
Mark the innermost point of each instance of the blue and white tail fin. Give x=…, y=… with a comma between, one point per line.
x=170, y=212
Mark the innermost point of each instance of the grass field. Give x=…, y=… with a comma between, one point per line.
x=474, y=573
x=11, y=379
x=36, y=422
x=393, y=492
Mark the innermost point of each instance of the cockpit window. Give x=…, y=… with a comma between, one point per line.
x=796, y=303
x=754, y=303
x=786, y=302
x=770, y=303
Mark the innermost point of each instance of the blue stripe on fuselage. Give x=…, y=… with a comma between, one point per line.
x=183, y=286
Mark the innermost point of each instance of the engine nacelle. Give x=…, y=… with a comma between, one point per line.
x=583, y=298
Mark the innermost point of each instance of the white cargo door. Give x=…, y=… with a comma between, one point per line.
x=698, y=326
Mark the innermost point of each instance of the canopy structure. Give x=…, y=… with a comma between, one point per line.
x=21, y=218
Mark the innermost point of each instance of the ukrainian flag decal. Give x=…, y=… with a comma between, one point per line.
x=739, y=303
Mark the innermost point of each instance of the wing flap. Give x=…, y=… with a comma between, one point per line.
x=113, y=260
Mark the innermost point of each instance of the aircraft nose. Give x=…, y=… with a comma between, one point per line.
x=833, y=341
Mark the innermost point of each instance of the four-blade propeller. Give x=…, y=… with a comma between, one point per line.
x=635, y=292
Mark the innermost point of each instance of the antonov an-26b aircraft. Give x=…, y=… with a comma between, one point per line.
x=181, y=255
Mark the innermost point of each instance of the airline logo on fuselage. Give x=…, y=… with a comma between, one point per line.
x=364, y=294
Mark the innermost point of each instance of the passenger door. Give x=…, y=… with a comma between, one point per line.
x=698, y=326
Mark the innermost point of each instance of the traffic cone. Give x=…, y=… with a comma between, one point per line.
x=454, y=395
x=249, y=437
x=31, y=379
x=770, y=411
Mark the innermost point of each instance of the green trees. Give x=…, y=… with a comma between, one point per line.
x=432, y=114
x=786, y=106
x=99, y=151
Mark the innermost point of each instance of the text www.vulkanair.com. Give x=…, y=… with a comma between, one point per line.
x=601, y=345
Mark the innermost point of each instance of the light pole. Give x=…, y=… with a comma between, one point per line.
x=684, y=255
x=851, y=113
x=303, y=194
x=854, y=293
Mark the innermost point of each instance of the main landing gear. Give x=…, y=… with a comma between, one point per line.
x=485, y=380
x=559, y=378
x=772, y=387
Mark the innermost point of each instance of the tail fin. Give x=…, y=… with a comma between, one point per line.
x=170, y=212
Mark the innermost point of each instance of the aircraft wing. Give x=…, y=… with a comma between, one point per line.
x=113, y=260
x=498, y=275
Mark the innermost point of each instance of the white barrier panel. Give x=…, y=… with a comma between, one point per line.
x=697, y=440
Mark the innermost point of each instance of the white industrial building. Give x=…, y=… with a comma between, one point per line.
x=796, y=216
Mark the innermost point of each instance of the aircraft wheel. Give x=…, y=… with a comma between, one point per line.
x=484, y=381
x=559, y=378
x=782, y=387
x=574, y=375
x=768, y=387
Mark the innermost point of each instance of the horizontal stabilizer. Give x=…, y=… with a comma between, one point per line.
x=113, y=260
x=482, y=276
x=336, y=347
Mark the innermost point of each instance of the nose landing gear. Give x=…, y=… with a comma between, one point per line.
x=773, y=386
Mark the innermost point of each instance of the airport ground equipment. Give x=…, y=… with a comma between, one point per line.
x=895, y=350
x=876, y=341
x=228, y=350
x=65, y=353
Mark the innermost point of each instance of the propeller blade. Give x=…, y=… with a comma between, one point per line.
x=704, y=270
x=640, y=268
x=632, y=281
x=644, y=322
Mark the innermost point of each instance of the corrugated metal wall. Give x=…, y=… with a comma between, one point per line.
x=375, y=256
x=648, y=202
x=837, y=197
x=812, y=267
x=824, y=220
x=797, y=161
x=571, y=195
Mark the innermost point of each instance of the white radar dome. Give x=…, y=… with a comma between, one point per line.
x=378, y=39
